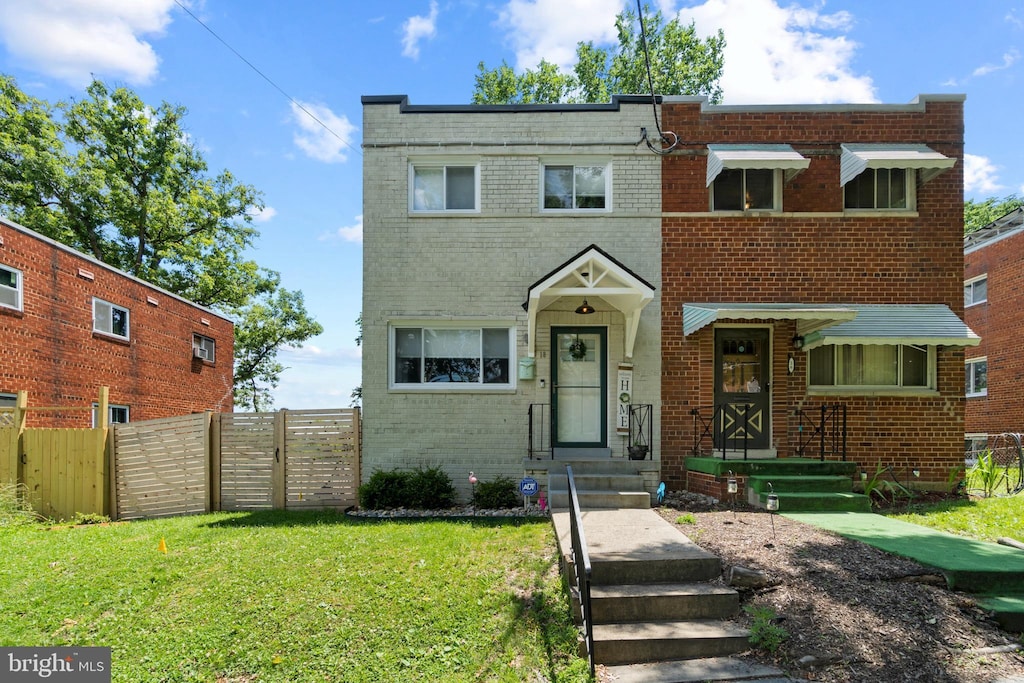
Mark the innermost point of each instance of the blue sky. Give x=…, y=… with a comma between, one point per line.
x=326, y=54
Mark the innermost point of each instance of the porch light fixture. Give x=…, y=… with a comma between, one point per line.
x=585, y=308
x=798, y=341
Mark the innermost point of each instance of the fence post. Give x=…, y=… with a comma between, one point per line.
x=20, y=419
x=280, y=458
x=213, y=446
x=104, y=471
x=357, y=439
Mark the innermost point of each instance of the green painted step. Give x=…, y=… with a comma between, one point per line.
x=778, y=467
x=818, y=502
x=1008, y=610
x=836, y=483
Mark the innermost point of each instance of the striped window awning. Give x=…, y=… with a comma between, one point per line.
x=721, y=157
x=856, y=158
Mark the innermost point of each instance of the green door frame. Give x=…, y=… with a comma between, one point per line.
x=602, y=332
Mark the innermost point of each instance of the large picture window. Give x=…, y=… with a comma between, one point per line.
x=880, y=188
x=10, y=288
x=109, y=318
x=445, y=357
x=872, y=365
x=577, y=187
x=444, y=187
x=744, y=189
x=977, y=376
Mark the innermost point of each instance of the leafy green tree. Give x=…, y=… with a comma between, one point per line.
x=979, y=214
x=120, y=180
x=681, y=64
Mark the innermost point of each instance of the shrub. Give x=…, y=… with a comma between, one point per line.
x=764, y=632
x=424, y=489
x=495, y=495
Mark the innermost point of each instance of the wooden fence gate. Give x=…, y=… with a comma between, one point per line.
x=64, y=471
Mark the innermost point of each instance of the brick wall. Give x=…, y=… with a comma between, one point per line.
x=1000, y=324
x=813, y=252
x=50, y=350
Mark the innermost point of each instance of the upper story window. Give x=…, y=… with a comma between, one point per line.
x=977, y=376
x=457, y=357
x=577, y=187
x=10, y=288
x=444, y=186
x=881, y=188
x=108, y=318
x=745, y=189
x=976, y=290
x=204, y=348
x=115, y=414
x=872, y=366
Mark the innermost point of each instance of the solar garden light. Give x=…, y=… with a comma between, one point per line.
x=773, y=500
x=730, y=483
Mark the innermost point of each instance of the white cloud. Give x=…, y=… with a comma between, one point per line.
x=550, y=29
x=74, y=39
x=263, y=215
x=323, y=144
x=1009, y=58
x=980, y=175
x=789, y=54
x=417, y=28
x=352, y=233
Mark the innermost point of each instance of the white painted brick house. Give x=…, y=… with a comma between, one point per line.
x=485, y=229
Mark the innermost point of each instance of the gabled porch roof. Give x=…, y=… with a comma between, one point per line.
x=857, y=157
x=820, y=324
x=590, y=273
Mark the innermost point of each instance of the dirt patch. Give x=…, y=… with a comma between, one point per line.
x=852, y=612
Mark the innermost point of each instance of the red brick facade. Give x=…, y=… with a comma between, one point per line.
x=813, y=252
x=1000, y=323
x=50, y=350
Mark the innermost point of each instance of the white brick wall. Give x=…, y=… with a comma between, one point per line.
x=479, y=267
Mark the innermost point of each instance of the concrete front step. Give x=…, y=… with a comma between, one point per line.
x=601, y=500
x=815, y=502
x=802, y=483
x=596, y=482
x=662, y=602
x=696, y=671
x=654, y=641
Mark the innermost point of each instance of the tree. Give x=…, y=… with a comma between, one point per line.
x=122, y=181
x=979, y=214
x=680, y=62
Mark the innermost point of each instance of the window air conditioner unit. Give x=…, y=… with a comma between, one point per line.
x=200, y=352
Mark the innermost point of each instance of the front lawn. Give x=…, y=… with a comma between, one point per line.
x=295, y=597
x=983, y=518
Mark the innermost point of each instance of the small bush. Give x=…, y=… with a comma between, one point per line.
x=424, y=489
x=14, y=509
x=686, y=518
x=764, y=632
x=496, y=495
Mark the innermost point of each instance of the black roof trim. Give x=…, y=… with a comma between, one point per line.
x=404, y=107
x=575, y=256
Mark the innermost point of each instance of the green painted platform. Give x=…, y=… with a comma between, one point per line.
x=995, y=572
x=770, y=466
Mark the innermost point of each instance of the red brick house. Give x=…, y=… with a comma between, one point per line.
x=71, y=324
x=993, y=291
x=811, y=257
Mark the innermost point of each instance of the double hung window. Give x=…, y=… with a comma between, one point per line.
x=204, y=348
x=976, y=291
x=10, y=288
x=445, y=357
x=977, y=376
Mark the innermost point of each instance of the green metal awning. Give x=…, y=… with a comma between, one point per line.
x=917, y=324
x=809, y=317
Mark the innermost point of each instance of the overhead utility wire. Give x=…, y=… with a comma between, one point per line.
x=267, y=78
x=650, y=83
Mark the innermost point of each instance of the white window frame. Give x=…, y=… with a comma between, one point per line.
x=910, y=190
x=99, y=303
x=970, y=376
x=444, y=163
x=875, y=389
x=574, y=163
x=776, y=189
x=451, y=387
x=204, y=347
x=18, y=289
x=111, y=408
x=969, y=290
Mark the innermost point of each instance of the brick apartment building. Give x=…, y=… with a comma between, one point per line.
x=812, y=255
x=71, y=324
x=993, y=286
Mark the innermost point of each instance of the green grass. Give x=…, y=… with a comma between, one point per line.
x=986, y=519
x=295, y=597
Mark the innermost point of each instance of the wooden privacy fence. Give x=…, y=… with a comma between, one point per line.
x=237, y=461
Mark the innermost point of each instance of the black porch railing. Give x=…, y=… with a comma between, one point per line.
x=708, y=423
x=539, y=416
x=824, y=427
x=641, y=419
x=582, y=568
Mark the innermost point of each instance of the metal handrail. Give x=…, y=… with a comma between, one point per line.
x=539, y=418
x=830, y=430
x=640, y=428
x=703, y=426
x=582, y=567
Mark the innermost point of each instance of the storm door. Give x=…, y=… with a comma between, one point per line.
x=742, y=384
x=579, y=386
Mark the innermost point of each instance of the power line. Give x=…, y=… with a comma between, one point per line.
x=267, y=78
